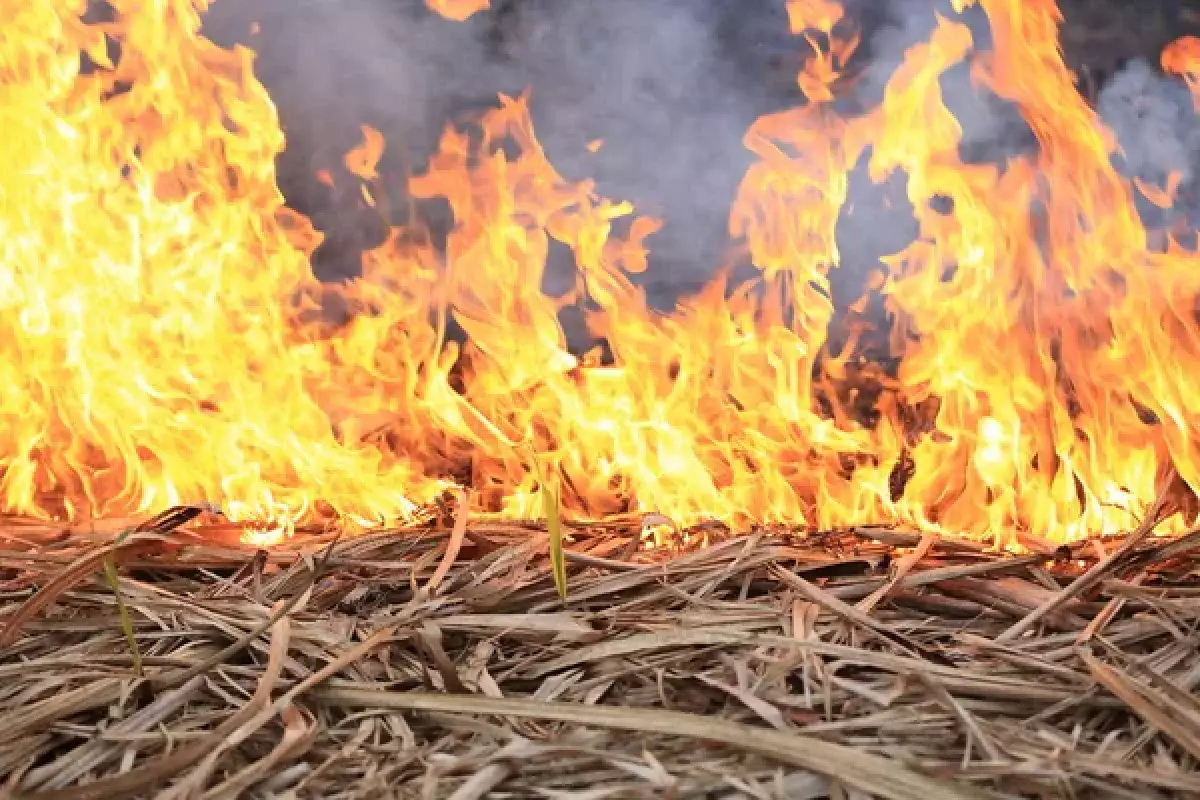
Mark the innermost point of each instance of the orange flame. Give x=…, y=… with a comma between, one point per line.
x=458, y=10
x=1182, y=58
x=166, y=340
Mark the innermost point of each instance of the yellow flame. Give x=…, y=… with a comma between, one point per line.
x=458, y=10
x=165, y=341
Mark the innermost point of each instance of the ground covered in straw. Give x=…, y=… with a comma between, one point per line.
x=440, y=662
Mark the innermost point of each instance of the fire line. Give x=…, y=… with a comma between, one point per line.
x=163, y=338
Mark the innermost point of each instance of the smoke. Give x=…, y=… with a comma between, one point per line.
x=1151, y=115
x=669, y=85
x=1154, y=120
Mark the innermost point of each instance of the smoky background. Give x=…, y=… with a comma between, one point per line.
x=670, y=86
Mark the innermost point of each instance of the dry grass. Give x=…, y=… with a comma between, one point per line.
x=866, y=663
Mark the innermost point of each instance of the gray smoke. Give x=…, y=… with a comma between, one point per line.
x=1156, y=125
x=1152, y=115
x=1154, y=120
x=670, y=86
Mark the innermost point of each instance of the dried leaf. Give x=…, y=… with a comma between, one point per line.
x=880, y=776
x=453, y=544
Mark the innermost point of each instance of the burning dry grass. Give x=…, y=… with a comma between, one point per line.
x=859, y=663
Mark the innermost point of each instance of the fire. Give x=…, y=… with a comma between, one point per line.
x=458, y=10
x=1182, y=57
x=166, y=340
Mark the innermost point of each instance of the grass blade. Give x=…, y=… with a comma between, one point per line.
x=114, y=583
x=552, y=507
x=558, y=559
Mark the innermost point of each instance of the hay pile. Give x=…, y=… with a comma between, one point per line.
x=440, y=662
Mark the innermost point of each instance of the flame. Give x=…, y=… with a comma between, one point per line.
x=458, y=10
x=166, y=340
x=1182, y=57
